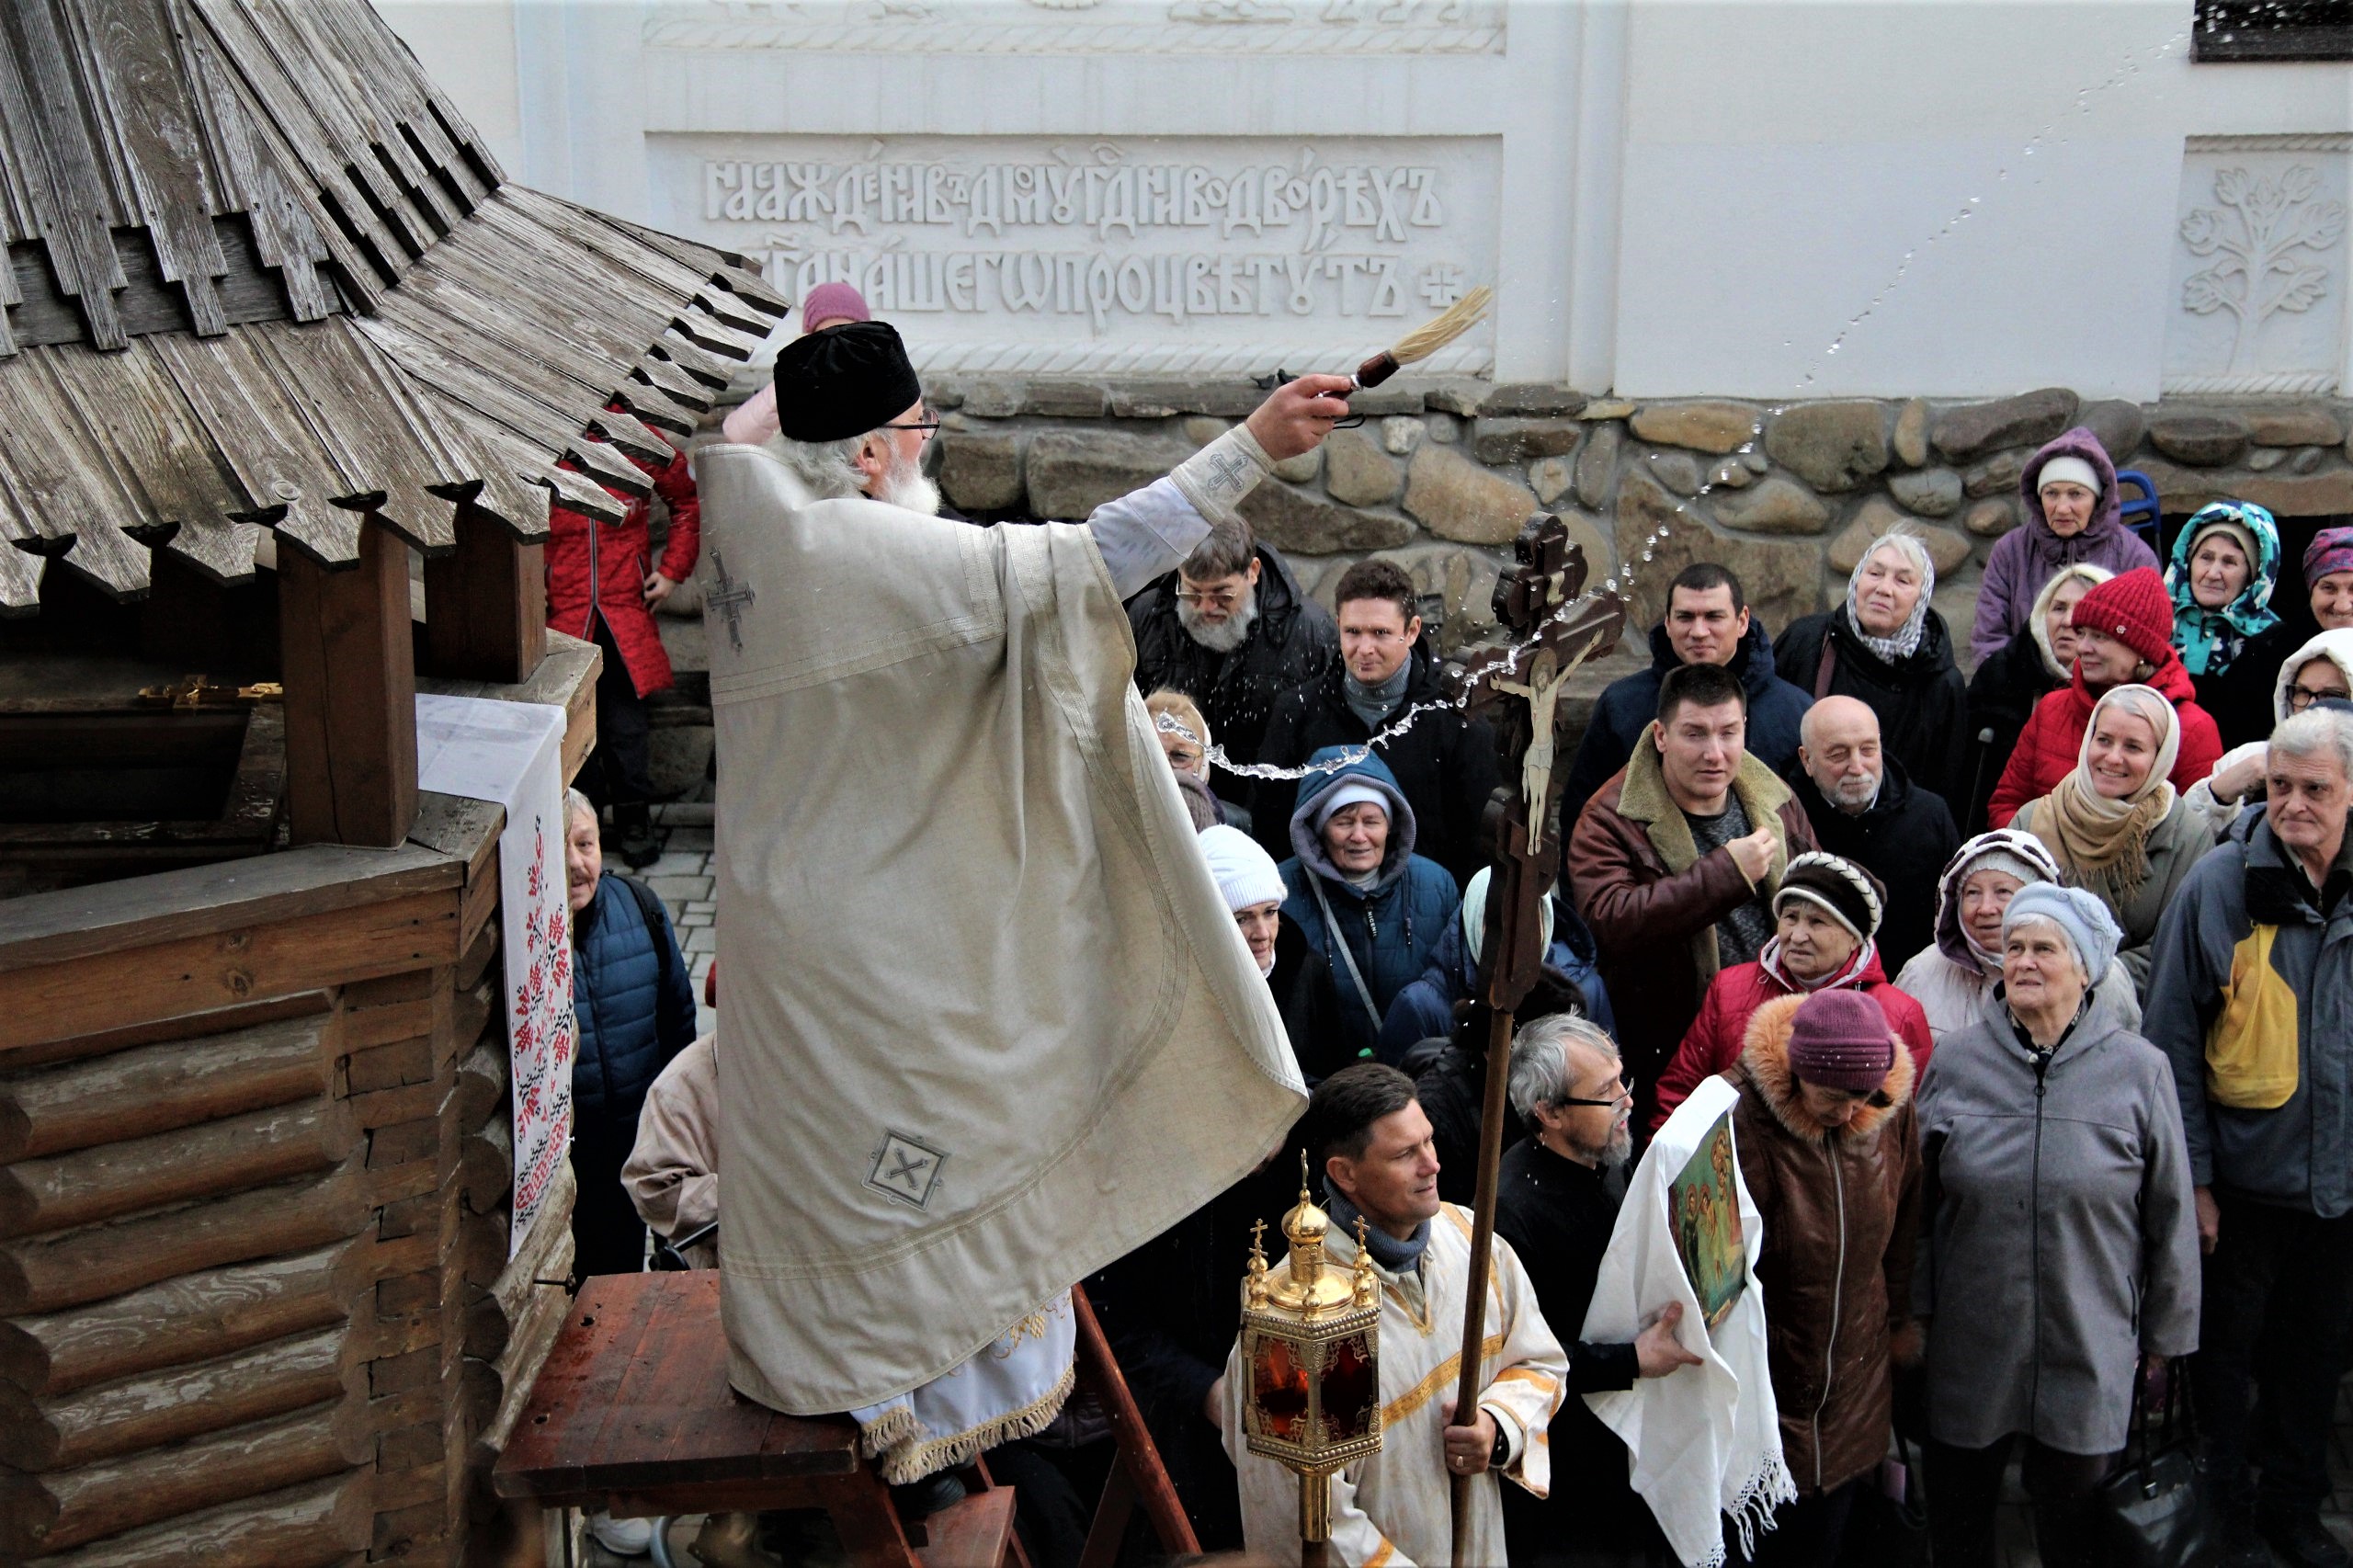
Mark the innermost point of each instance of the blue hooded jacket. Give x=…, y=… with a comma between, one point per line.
x=1424, y=1009
x=634, y=1005
x=1391, y=927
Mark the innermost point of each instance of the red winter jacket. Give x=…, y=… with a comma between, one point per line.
x=1717, y=1036
x=2053, y=737
x=598, y=569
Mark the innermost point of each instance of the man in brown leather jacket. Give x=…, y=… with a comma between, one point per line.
x=1675, y=862
x=1830, y=1151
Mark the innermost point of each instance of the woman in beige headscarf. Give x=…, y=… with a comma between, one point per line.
x=2115, y=823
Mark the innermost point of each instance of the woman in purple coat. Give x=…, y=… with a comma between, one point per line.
x=2072, y=516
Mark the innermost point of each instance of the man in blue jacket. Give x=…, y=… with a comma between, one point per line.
x=2251, y=994
x=1708, y=623
x=634, y=1005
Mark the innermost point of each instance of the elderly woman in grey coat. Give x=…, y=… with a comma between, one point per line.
x=2058, y=1237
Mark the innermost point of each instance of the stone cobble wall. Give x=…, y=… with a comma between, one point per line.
x=1441, y=474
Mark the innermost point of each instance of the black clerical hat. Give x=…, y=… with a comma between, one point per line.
x=844, y=381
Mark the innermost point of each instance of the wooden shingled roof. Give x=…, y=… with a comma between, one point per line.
x=263, y=274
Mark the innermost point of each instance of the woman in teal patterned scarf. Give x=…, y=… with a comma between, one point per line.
x=2225, y=563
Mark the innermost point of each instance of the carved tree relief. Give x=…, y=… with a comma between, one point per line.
x=2267, y=236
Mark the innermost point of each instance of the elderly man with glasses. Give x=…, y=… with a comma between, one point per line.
x=1557, y=1205
x=1232, y=629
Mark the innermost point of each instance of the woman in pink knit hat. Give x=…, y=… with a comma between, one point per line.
x=1825, y=1137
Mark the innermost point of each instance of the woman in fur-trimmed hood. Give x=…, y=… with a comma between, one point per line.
x=1828, y=1146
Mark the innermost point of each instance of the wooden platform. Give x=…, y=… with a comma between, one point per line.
x=632, y=1414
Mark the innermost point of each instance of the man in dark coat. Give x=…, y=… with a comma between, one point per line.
x=1232, y=629
x=1445, y=763
x=1864, y=807
x=1556, y=1205
x=1708, y=623
x=634, y=1005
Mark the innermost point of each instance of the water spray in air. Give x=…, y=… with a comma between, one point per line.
x=1462, y=316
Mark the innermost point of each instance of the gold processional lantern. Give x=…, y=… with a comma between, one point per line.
x=1311, y=1340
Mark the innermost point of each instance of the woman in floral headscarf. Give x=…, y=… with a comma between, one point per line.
x=2225, y=563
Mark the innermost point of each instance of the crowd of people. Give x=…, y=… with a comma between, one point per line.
x=2030, y=989
x=2025, y=983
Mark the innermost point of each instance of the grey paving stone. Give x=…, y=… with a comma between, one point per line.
x=678, y=888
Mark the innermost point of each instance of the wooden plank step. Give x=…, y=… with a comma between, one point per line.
x=970, y=1534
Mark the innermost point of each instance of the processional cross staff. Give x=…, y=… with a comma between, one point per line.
x=1517, y=690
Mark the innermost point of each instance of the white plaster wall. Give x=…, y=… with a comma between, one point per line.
x=1694, y=195
x=1788, y=167
x=468, y=46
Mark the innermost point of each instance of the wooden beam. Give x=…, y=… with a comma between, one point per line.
x=486, y=604
x=350, y=676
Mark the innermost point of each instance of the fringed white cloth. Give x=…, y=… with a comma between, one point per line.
x=1704, y=1441
x=1013, y=1388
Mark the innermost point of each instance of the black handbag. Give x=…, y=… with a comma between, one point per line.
x=1889, y=1527
x=2153, y=1513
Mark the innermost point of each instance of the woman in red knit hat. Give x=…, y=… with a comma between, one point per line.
x=2125, y=634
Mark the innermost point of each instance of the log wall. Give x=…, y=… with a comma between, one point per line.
x=256, y=1305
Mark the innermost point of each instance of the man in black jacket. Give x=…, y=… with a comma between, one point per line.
x=1556, y=1205
x=1708, y=622
x=1445, y=763
x=1864, y=807
x=1232, y=629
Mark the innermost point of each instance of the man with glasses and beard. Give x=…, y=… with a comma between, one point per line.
x=1232, y=629
x=1556, y=1205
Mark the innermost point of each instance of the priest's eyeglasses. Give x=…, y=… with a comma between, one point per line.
x=1224, y=599
x=1619, y=1096
x=928, y=424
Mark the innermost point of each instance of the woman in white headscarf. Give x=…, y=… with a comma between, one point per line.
x=2115, y=825
x=2321, y=669
x=1888, y=648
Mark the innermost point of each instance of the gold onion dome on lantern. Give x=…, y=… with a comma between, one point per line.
x=1310, y=1287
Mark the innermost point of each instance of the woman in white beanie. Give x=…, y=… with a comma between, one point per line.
x=1300, y=980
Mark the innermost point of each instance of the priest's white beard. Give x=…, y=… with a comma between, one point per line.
x=1225, y=636
x=903, y=485
x=829, y=470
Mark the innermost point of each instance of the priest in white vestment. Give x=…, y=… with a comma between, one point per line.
x=989, y=1025
x=1394, y=1510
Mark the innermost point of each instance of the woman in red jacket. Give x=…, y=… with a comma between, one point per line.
x=2123, y=635
x=1827, y=912
x=603, y=586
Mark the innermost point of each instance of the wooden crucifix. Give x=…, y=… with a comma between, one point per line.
x=1517, y=690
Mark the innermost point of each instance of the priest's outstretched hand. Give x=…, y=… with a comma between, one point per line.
x=1299, y=413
